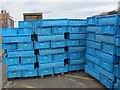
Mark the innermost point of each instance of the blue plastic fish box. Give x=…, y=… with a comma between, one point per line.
x=94, y=29
x=92, y=72
x=77, y=36
x=112, y=30
x=93, y=44
x=28, y=60
x=56, y=44
x=58, y=57
x=44, y=59
x=76, y=61
x=109, y=48
x=21, y=67
x=18, y=38
x=11, y=61
x=50, y=37
x=25, y=46
x=108, y=20
x=76, y=67
x=20, y=53
x=51, y=51
x=106, y=57
x=54, y=22
x=41, y=45
x=25, y=31
x=92, y=20
x=58, y=70
x=48, y=71
x=13, y=74
x=76, y=55
x=77, y=49
x=51, y=64
x=9, y=31
x=9, y=46
x=59, y=29
x=77, y=22
x=31, y=73
x=43, y=31
x=29, y=24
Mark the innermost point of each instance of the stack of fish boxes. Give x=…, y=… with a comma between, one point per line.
x=77, y=30
x=101, y=49
x=51, y=47
x=45, y=47
x=19, y=51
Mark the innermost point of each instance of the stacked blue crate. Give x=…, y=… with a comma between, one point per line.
x=76, y=44
x=51, y=43
x=19, y=55
x=101, y=49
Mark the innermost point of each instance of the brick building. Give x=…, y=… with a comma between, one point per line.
x=6, y=21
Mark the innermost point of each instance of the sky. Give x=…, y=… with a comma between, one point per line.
x=58, y=8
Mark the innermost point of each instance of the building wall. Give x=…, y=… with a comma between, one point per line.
x=5, y=20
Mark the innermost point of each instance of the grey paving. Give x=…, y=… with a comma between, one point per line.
x=69, y=80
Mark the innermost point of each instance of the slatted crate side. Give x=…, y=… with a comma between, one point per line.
x=90, y=64
x=11, y=61
x=20, y=53
x=93, y=59
x=51, y=51
x=25, y=45
x=13, y=74
x=30, y=73
x=58, y=44
x=77, y=49
x=91, y=36
x=76, y=61
x=105, y=81
x=42, y=45
x=57, y=57
x=9, y=31
x=77, y=22
x=109, y=30
x=94, y=29
x=77, y=36
x=43, y=72
x=91, y=51
x=51, y=37
x=45, y=59
x=54, y=22
x=29, y=24
x=58, y=70
x=106, y=73
x=107, y=57
x=92, y=20
x=76, y=67
x=106, y=38
x=92, y=72
x=18, y=38
x=21, y=67
x=43, y=31
x=76, y=55
x=109, y=48
x=26, y=31
x=51, y=64
x=93, y=44
x=28, y=60
x=9, y=46
x=108, y=20
x=59, y=29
